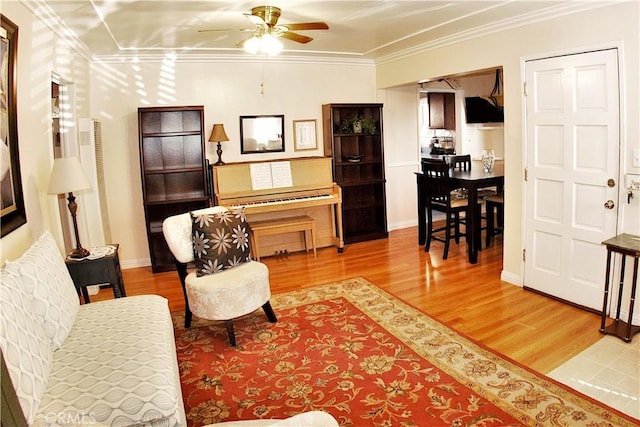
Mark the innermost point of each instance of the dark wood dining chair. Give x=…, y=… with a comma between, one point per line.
x=459, y=161
x=430, y=160
x=495, y=216
x=463, y=162
x=438, y=196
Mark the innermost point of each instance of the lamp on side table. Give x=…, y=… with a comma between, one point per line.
x=218, y=135
x=68, y=176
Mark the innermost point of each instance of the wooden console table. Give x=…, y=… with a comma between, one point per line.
x=627, y=245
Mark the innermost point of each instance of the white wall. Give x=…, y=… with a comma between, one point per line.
x=227, y=90
x=401, y=146
x=605, y=27
x=40, y=54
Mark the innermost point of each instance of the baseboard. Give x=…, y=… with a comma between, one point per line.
x=508, y=277
x=403, y=224
x=135, y=263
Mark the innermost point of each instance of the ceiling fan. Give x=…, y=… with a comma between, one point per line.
x=265, y=19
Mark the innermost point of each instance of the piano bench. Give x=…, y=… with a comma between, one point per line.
x=279, y=226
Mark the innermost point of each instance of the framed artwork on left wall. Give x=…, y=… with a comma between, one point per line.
x=12, y=211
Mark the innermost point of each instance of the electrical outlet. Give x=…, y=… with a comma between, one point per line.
x=632, y=181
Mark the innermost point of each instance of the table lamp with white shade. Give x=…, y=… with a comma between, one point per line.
x=68, y=176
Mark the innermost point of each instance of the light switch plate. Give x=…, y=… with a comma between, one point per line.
x=632, y=181
x=636, y=158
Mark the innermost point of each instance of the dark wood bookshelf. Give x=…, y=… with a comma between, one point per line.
x=173, y=170
x=358, y=167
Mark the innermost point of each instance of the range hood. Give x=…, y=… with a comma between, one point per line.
x=483, y=110
x=486, y=109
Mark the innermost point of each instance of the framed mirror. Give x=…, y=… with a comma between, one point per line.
x=261, y=134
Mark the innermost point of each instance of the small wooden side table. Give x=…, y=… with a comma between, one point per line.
x=627, y=245
x=102, y=266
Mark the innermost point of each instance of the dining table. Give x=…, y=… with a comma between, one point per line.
x=472, y=180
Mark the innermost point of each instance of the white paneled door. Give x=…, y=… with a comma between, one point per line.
x=572, y=160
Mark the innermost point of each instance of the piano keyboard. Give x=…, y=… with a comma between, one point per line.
x=257, y=203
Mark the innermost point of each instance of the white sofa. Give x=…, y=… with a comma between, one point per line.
x=111, y=363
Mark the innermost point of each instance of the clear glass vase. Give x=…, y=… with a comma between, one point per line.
x=488, y=160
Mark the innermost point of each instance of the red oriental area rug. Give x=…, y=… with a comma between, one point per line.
x=352, y=350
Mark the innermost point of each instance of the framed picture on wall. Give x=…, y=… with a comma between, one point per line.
x=305, y=135
x=12, y=211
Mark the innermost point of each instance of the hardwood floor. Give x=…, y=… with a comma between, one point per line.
x=532, y=329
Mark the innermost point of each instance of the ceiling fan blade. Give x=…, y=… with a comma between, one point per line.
x=296, y=37
x=307, y=26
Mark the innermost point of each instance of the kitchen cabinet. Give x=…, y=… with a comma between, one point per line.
x=358, y=167
x=442, y=110
x=173, y=171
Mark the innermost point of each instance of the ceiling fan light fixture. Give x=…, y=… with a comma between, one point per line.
x=266, y=32
x=252, y=45
x=271, y=45
x=263, y=43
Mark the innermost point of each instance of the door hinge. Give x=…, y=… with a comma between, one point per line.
x=526, y=174
x=524, y=255
x=524, y=88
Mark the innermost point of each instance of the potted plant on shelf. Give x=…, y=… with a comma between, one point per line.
x=368, y=126
x=346, y=126
x=357, y=124
x=352, y=124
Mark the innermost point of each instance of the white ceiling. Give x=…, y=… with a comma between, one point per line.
x=368, y=30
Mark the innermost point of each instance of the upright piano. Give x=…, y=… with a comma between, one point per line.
x=312, y=189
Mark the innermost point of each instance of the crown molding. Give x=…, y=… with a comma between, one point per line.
x=229, y=58
x=496, y=27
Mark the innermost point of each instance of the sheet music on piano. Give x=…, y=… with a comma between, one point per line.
x=270, y=175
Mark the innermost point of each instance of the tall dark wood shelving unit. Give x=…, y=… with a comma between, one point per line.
x=173, y=170
x=358, y=167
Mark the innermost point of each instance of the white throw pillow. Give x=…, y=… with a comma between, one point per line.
x=45, y=278
x=25, y=347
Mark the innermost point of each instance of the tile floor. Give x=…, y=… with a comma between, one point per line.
x=608, y=371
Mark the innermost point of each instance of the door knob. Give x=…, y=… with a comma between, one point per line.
x=609, y=204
